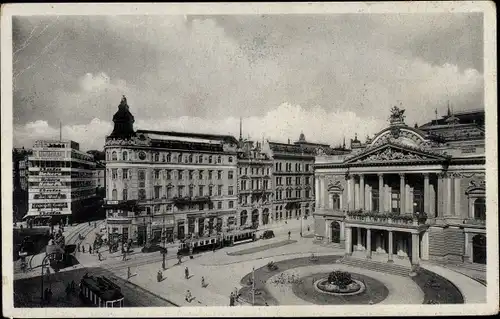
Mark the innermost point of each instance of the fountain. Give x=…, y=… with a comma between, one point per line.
x=339, y=283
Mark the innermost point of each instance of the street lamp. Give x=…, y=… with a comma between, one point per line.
x=48, y=270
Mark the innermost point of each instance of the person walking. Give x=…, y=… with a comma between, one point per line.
x=159, y=276
x=308, y=228
x=83, y=249
x=90, y=249
x=289, y=234
x=189, y=297
x=186, y=273
x=203, y=282
x=124, y=256
x=128, y=273
x=99, y=255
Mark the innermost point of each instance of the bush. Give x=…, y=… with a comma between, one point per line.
x=340, y=278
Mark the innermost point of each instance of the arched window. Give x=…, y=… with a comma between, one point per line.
x=219, y=160
x=113, y=156
x=210, y=159
x=480, y=208
x=230, y=159
x=107, y=156
x=169, y=157
x=125, y=194
x=125, y=156
x=190, y=158
x=157, y=157
x=179, y=158
x=200, y=159
x=114, y=194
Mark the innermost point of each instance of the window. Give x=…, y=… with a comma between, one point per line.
x=142, y=178
x=179, y=175
x=200, y=159
x=246, y=170
x=200, y=190
x=241, y=171
x=179, y=158
x=126, y=173
x=297, y=180
x=163, y=157
x=190, y=158
x=113, y=156
x=219, y=190
x=191, y=191
x=308, y=193
x=157, y=173
x=125, y=194
x=211, y=205
x=243, y=185
x=277, y=166
x=230, y=159
x=289, y=181
x=297, y=193
x=180, y=190
x=266, y=184
x=125, y=156
x=114, y=173
x=231, y=204
x=307, y=167
x=210, y=190
x=200, y=175
x=230, y=190
x=169, y=192
x=219, y=159
x=168, y=174
x=307, y=180
x=219, y=174
x=157, y=192
x=169, y=157
x=480, y=208
x=230, y=174
x=210, y=174
x=142, y=194
x=157, y=157
x=210, y=159
x=114, y=194
x=219, y=205
x=191, y=174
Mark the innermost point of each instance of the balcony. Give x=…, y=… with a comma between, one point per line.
x=387, y=218
x=475, y=222
x=190, y=200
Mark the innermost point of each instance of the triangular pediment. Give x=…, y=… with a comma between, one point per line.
x=394, y=153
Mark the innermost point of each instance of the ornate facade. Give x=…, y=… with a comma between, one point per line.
x=416, y=193
x=293, y=175
x=168, y=185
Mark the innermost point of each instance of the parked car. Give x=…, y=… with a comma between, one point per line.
x=151, y=248
x=267, y=234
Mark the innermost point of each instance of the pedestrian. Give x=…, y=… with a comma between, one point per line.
x=90, y=247
x=99, y=256
x=203, y=282
x=231, y=300
x=159, y=276
x=124, y=256
x=186, y=272
x=289, y=234
x=179, y=259
x=189, y=297
x=308, y=228
x=235, y=294
x=83, y=249
x=128, y=273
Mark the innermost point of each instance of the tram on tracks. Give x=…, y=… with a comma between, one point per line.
x=196, y=245
x=101, y=292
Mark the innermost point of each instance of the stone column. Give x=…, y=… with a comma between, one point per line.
x=352, y=179
x=362, y=192
x=402, y=193
x=448, y=197
x=391, y=248
x=381, y=192
x=348, y=240
x=196, y=225
x=457, y=212
x=324, y=195
x=368, y=243
x=356, y=195
x=317, y=191
x=426, y=194
x=186, y=228
x=360, y=244
x=415, y=252
x=260, y=217
x=378, y=242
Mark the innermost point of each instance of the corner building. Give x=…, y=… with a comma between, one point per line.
x=168, y=185
x=414, y=193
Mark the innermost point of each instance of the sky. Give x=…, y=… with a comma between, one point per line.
x=329, y=76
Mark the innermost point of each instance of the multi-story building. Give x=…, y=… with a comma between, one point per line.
x=255, y=190
x=293, y=176
x=23, y=174
x=168, y=184
x=99, y=174
x=20, y=182
x=414, y=192
x=61, y=183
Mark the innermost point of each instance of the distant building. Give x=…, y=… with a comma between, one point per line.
x=99, y=174
x=255, y=190
x=61, y=183
x=293, y=176
x=167, y=185
x=20, y=182
x=413, y=192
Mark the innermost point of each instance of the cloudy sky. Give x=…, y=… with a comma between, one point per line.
x=329, y=76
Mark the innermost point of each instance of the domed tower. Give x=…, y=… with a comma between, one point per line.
x=302, y=137
x=124, y=121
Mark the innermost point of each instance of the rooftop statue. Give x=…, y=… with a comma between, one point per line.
x=397, y=115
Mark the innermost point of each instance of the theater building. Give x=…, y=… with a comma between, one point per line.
x=293, y=176
x=168, y=185
x=60, y=183
x=412, y=193
x=254, y=185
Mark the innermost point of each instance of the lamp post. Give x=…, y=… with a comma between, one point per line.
x=48, y=271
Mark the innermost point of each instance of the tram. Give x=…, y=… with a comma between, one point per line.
x=101, y=292
x=191, y=246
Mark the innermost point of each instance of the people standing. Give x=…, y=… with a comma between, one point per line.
x=308, y=228
x=189, y=297
x=83, y=249
x=159, y=276
x=186, y=273
x=124, y=256
x=128, y=273
x=289, y=234
x=203, y=282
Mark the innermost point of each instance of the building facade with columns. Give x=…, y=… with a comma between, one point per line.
x=293, y=176
x=415, y=193
x=168, y=185
x=254, y=185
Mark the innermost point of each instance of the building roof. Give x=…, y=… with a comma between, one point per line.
x=222, y=138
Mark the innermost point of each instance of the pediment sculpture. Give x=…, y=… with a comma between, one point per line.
x=390, y=154
x=335, y=185
x=476, y=185
x=397, y=115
